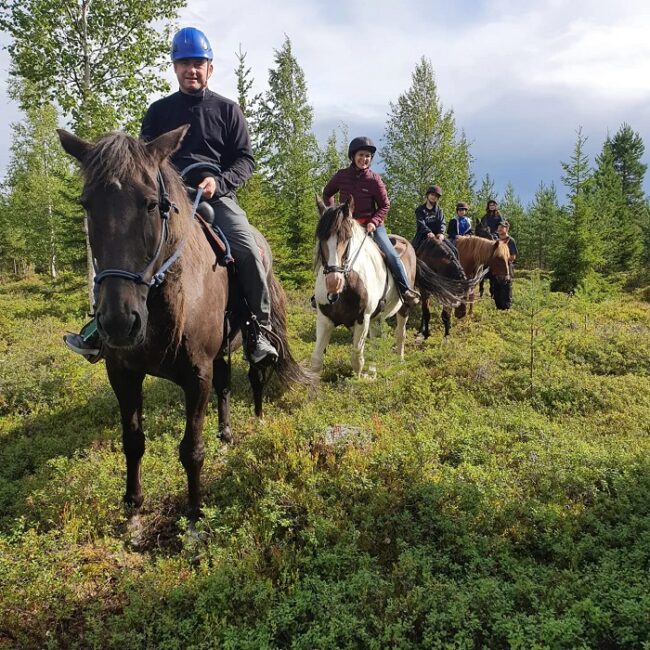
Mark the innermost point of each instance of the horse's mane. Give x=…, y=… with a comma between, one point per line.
x=335, y=221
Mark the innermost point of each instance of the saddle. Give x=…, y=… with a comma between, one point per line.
x=204, y=214
x=399, y=244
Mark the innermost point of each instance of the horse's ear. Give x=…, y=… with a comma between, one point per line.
x=320, y=205
x=349, y=204
x=165, y=145
x=73, y=145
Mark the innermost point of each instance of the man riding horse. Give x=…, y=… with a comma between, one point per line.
x=218, y=149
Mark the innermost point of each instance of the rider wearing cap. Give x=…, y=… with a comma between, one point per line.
x=371, y=206
x=429, y=218
x=218, y=135
x=460, y=225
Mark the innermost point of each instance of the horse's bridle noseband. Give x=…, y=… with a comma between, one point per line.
x=148, y=277
x=347, y=264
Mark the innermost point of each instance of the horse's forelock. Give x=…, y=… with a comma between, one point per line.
x=116, y=159
x=334, y=221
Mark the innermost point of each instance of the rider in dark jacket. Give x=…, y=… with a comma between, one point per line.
x=492, y=218
x=218, y=135
x=429, y=218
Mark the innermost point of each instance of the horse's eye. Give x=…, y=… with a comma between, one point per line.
x=152, y=205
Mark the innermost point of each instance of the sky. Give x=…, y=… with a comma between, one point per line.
x=519, y=75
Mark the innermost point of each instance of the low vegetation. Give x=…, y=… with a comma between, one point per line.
x=493, y=491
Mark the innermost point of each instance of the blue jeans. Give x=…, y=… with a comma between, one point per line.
x=393, y=262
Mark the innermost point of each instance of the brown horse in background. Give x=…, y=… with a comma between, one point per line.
x=476, y=256
x=161, y=297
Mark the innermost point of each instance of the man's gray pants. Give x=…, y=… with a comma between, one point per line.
x=234, y=223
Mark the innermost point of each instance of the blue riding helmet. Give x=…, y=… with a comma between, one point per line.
x=191, y=43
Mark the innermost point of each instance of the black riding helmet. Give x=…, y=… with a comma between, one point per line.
x=362, y=142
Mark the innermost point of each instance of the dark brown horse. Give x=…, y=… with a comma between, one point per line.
x=160, y=295
x=477, y=256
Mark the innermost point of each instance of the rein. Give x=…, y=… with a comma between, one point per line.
x=148, y=277
x=347, y=265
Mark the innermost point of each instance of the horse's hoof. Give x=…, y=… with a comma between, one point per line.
x=225, y=435
x=135, y=533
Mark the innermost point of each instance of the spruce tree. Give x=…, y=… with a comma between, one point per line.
x=486, y=192
x=618, y=227
x=512, y=209
x=422, y=146
x=287, y=161
x=539, y=230
x=577, y=252
x=254, y=197
x=627, y=150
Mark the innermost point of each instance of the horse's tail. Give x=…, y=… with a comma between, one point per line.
x=289, y=371
x=449, y=292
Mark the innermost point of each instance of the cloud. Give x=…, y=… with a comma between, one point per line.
x=520, y=75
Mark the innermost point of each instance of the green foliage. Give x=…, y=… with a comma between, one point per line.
x=540, y=229
x=579, y=247
x=456, y=507
x=423, y=146
x=287, y=155
x=512, y=209
x=99, y=61
x=485, y=193
x=42, y=225
x=627, y=151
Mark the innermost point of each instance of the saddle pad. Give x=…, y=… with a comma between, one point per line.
x=216, y=243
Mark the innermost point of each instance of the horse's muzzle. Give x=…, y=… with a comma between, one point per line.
x=333, y=297
x=121, y=331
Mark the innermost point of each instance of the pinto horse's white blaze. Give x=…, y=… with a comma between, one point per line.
x=334, y=281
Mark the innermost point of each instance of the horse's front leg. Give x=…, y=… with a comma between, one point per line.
x=324, y=329
x=127, y=386
x=426, y=316
x=402, y=317
x=358, y=344
x=191, y=448
x=221, y=383
x=257, y=379
x=446, y=320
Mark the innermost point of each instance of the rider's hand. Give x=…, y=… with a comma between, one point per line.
x=209, y=186
x=440, y=237
x=370, y=227
x=430, y=235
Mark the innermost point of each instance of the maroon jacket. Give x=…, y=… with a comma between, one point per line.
x=368, y=190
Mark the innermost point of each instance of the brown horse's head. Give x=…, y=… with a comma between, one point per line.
x=440, y=257
x=128, y=189
x=333, y=232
